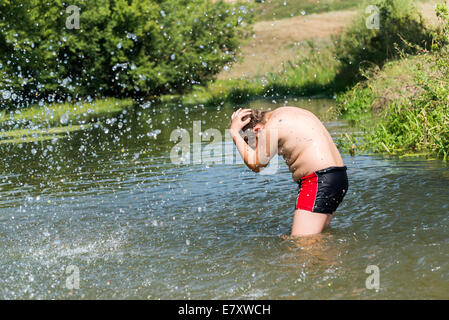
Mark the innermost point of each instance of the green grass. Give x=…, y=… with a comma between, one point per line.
x=33, y=135
x=397, y=106
x=393, y=83
x=404, y=109
x=310, y=74
x=279, y=9
x=326, y=68
x=65, y=113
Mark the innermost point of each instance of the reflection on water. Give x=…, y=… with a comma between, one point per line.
x=108, y=200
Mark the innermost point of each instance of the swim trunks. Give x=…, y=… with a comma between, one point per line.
x=323, y=190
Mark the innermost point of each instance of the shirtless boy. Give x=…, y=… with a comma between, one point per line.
x=307, y=147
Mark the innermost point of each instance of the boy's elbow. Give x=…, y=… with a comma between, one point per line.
x=256, y=167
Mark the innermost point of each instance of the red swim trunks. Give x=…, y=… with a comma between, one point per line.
x=323, y=190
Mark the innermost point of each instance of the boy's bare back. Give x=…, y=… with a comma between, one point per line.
x=303, y=141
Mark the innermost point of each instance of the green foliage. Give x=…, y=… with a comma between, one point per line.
x=63, y=113
x=415, y=125
x=410, y=123
x=422, y=123
x=311, y=73
x=279, y=9
x=442, y=36
x=355, y=104
x=123, y=48
x=401, y=31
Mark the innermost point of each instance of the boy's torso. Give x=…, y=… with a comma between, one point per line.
x=303, y=141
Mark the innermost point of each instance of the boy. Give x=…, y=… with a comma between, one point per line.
x=307, y=147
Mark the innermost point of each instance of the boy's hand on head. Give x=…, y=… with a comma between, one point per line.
x=236, y=120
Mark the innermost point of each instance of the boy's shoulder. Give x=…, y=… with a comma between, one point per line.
x=286, y=113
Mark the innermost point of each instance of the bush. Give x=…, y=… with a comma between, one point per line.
x=415, y=114
x=123, y=48
x=401, y=31
x=442, y=35
x=420, y=124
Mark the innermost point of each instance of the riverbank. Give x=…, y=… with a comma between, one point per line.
x=403, y=109
x=65, y=113
x=289, y=57
x=275, y=45
x=297, y=66
x=280, y=9
x=38, y=123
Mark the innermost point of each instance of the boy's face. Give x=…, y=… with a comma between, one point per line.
x=251, y=136
x=258, y=127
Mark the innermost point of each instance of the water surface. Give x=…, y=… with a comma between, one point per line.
x=108, y=200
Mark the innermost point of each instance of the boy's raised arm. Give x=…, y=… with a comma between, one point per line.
x=254, y=159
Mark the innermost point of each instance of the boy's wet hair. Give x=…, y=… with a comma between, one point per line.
x=257, y=116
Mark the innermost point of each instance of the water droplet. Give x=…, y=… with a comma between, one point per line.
x=6, y=94
x=64, y=119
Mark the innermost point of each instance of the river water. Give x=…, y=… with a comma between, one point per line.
x=107, y=205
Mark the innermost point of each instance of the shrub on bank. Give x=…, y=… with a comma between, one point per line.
x=421, y=123
x=404, y=108
x=122, y=48
x=411, y=117
x=364, y=45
